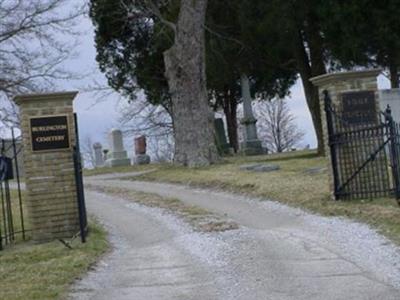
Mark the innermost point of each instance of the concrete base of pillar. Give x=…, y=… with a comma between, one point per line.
x=252, y=147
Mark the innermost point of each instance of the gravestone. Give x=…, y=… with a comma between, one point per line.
x=251, y=145
x=48, y=137
x=141, y=158
x=222, y=143
x=355, y=96
x=98, y=155
x=117, y=156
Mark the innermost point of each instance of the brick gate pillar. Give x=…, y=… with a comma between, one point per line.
x=48, y=133
x=344, y=90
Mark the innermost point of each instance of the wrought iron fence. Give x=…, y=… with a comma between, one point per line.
x=12, y=224
x=83, y=224
x=364, y=156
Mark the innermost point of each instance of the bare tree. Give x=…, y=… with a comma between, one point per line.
x=33, y=45
x=87, y=152
x=276, y=125
x=161, y=149
x=142, y=118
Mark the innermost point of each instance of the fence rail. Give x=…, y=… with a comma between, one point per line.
x=12, y=223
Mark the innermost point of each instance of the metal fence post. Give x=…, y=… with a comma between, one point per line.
x=394, y=153
x=21, y=211
x=79, y=185
x=331, y=132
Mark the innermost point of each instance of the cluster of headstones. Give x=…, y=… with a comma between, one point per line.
x=117, y=155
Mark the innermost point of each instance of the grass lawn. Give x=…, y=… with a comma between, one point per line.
x=46, y=271
x=29, y=271
x=291, y=185
x=16, y=216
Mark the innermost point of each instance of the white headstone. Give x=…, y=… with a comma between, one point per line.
x=98, y=155
x=117, y=156
x=116, y=140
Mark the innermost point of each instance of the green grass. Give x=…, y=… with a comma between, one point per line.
x=29, y=271
x=16, y=216
x=291, y=185
x=46, y=271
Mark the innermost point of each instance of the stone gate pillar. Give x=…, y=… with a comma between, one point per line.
x=355, y=95
x=48, y=133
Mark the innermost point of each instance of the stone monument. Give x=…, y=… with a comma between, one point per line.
x=141, y=158
x=117, y=155
x=251, y=145
x=48, y=137
x=98, y=155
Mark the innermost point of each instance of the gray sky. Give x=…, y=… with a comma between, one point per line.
x=96, y=119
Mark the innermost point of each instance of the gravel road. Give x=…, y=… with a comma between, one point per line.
x=278, y=252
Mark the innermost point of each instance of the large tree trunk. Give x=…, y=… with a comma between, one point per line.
x=308, y=70
x=230, y=111
x=185, y=71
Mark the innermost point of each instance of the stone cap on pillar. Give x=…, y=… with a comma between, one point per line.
x=61, y=96
x=328, y=79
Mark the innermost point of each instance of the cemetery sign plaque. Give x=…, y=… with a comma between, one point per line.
x=359, y=107
x=49, y=133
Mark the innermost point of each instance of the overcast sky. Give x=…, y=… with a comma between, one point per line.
x=97, y=119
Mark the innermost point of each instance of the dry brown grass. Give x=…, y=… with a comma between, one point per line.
x=199, y=219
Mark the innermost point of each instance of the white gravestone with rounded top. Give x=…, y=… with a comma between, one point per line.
x=117, y=155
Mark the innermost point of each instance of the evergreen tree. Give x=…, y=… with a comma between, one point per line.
x=363, y=33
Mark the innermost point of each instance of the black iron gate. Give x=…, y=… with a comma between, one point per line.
x=365, y=157
x=79, y=185
x=12, y=224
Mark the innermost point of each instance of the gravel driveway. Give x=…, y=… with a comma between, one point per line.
x=278, y=252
